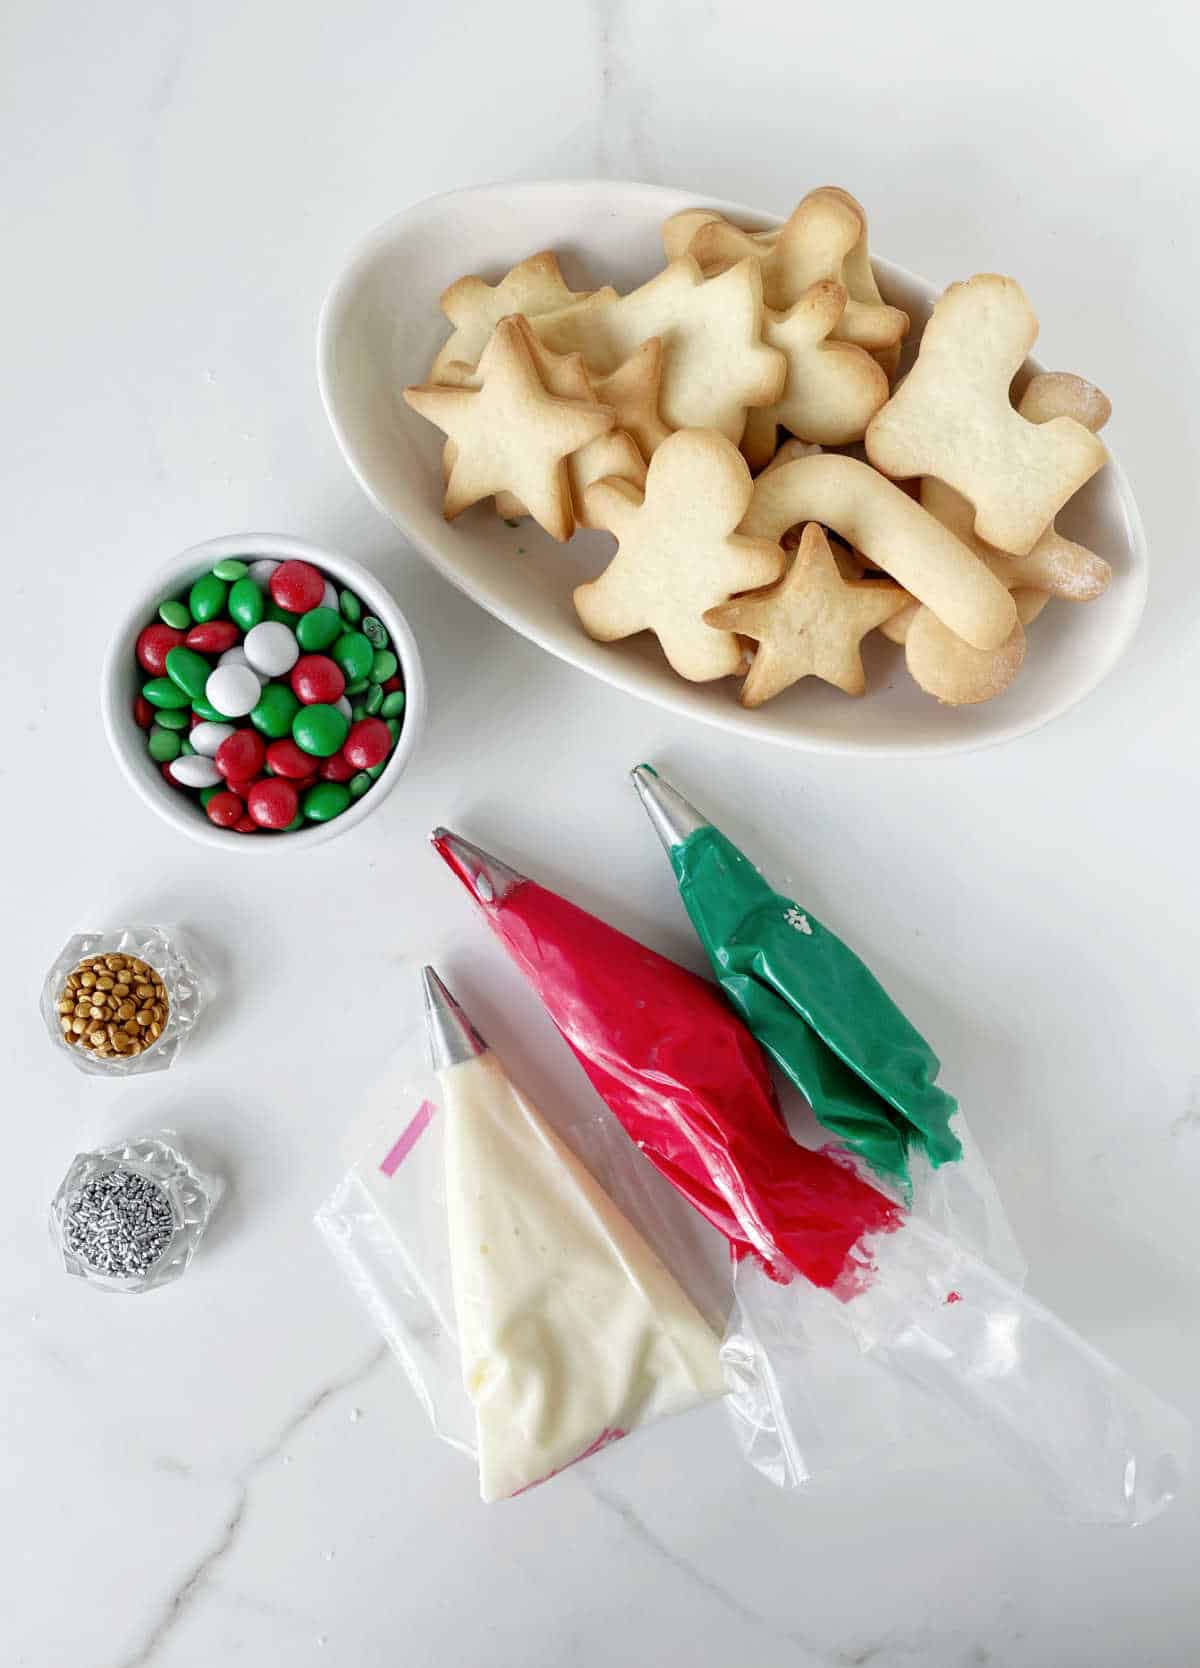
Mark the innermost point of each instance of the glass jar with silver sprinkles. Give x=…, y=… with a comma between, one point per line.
x=129, y=1218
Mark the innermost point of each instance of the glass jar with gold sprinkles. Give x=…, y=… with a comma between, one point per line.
x=123, y=1001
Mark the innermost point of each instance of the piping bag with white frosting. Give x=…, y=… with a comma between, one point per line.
x=816, y=1246
x=571, y=1330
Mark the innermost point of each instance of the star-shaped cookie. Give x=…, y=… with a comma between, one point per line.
x=678, y=554
x=715, y=362
x=475, y=308
x=633, y=392
x=808, y=625
x=510, y=435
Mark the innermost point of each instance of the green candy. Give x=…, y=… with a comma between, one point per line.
x=384, y=665
x=317, y=629
x=320, y=729
x=393, y=704
x=164, y=745
x=207, y=793
x=189, y=670
x=206, y=599
x=356, y=686
x=296, y=822
x=393, y=725
x=277, y=706
x=283, y=615
x=205, y=709
x=359, y=784
x=354, y=654
x=230, y=569
x=176, y=615
x=358, y=712
x=374, y=700
x=350, y=606
x=326, y=801
x=375, y=631
x=174, y=718
x=164, y=692
x=376, y=771
x=246, y=604
x=185, y=747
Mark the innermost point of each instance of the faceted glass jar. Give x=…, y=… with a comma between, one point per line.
x=128, y=1218
x=169, y=953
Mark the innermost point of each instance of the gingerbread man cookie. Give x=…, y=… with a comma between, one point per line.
x=475, y=308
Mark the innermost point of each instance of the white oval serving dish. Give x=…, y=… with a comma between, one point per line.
x=379, y=330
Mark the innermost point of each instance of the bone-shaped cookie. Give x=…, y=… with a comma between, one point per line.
x=510, y=434
x=678, y=554
x=833, y=389
x=715, y=363
x=952, y=418
x=475, y=308
x=825, y=237
x=810, y=624
x=892, y=532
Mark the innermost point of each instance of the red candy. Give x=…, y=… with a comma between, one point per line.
x=240, y=755
x=273, y=803
x=317, y=678
x=213, y=637
x=143, y=712
x=225, y=809
x=338, y=768
x=166, y=775
x=153, y=645
x=297, y=586
x=392, y=684
x=286, y=759
x=247, y=825
x=241, y=785
x=369, y=743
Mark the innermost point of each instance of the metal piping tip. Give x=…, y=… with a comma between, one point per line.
x=452, y=1037
x=673, y=818
x=485, y=877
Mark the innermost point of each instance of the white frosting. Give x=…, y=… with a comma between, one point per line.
x=571, y=1329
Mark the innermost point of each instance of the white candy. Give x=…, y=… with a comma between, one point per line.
x=262, y=570
x=330, y=599
x=233, y=690
x=195, y=771
x=344, y=707
x=207, y=737
x=271, y=648
x=236, y=656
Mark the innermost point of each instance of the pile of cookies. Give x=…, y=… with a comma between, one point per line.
x=694, y=419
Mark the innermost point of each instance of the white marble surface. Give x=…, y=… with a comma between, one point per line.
x=233, y=1471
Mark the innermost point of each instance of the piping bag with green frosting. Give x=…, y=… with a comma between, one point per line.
x=818, y=1251
x=830, y=1026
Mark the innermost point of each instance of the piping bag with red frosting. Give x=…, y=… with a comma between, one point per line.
x=690, y=1086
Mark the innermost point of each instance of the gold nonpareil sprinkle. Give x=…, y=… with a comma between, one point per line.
x=97, y=1012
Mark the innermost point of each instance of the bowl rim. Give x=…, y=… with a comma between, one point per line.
x=337, y=300
x=120, y=726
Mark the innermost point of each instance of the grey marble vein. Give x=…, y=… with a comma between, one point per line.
x=624, y=146
x=180, y=1600
x=640, y=1529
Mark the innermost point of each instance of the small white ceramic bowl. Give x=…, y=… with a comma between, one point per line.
x=380, y=329
x=123, y=678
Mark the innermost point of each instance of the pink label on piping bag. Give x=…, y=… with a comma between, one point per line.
x=417, y=1126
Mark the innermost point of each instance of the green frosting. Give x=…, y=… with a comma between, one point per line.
x=817, y=1010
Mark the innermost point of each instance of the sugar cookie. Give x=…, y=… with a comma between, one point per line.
x=810, y=624
x=510, y=434
x=715, y=362
x=892, y=533
x=475, y=308
x=678, y=553
x=633, y=391
x=825, y=231
x=952, y=418
x=943, y=665
x=833, y=389
x=1055, y=565
x=1052, y=394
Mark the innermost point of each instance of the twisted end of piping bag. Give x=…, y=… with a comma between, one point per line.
x=451, y=1036
x=670, y=813
x=485, y=877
